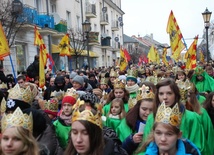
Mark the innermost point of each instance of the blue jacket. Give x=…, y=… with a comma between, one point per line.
x=185, y=147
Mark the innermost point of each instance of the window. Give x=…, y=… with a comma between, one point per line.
x=53, y=8
x=21, y=57
x=68, y=18
x=78, y=24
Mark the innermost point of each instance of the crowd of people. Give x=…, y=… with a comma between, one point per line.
x=149, y=109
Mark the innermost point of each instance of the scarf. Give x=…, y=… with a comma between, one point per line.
x=66, y=119
x=132, y=89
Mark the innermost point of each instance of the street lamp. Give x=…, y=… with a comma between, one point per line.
x=87, y=28
x=206, y=16
x=17, y=7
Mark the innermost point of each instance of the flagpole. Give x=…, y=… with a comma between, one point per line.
x=13, y=68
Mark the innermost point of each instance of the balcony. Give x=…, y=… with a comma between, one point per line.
x=105, y=42
x=62, y=26
x=104, y=19
x=93, y=38
x=90, y=11
x=46, y=21
x=29, y=17
x=115, y=26
x=115, y=46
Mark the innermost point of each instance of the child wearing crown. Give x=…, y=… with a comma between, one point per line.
x=116, y=114
x=119, y=91
x=130, y=130
x=168, y=92
x=166, y=134
x=17, y=138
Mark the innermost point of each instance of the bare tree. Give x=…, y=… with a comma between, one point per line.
x=78, y=43
x=10, y=20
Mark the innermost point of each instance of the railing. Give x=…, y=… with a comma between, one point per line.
x=104, y=17
x=90, y=8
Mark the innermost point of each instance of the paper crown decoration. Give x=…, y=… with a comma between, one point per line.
x=184, y=87
x=87, y=114
x=51, y=105
x=104, y=81
x=144, y=93
x=119, y=84
x=71, y=92
x=132, y=73
x=169, y=115
x=26, y=93
x=3, y=85
x=113, y=73
x=17, y=118
x=3, y=105
x=58, y=94
x=199, y=71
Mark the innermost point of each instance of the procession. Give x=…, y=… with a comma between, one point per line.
x=62, y=93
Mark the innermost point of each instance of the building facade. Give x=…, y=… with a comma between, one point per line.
x=55, y=18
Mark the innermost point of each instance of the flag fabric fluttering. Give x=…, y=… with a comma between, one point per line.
x=201, y=57
x=4, y=47
x=175, y=36
x=191, y=55
x=43, y=55
x=123, y=60
x=164, y=60
x=128, y=57
x=64, y=46
x=152, y=55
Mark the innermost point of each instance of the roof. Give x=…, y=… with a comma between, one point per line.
x=127, y=39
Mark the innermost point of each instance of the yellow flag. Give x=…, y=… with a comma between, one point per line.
x=4, y=48
x=201, y=56
x=157, y=56
x=152, y=55
x=123, y=61
x=191, y=59
x=43, y=56
x=64, y=46
x=164, y=60
x=175, y=36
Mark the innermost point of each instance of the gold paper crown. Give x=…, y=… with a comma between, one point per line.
x=17, y=118
x=58, y=94
x=145, y=93
x=104, y=81
x=199, y=71
x=169, y=115
x=3, y=105
x=3, y=85
x=51, y=105
x=132, y=73
x=113, y=73
x=71, y=92
x=119, y=84
x=26, y=94
x=87, y=114
x=184, y=86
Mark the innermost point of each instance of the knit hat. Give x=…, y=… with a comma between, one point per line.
x=73, y=74
x=68, y=99
x=78, y=79
x=12, y=104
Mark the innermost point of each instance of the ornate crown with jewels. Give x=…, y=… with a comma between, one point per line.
x=113, y=73
x=144, y=93
x=58, y=94
x=184, y=86
x=88, y=113
x=71, y=92
x=27, y=93
x=17, y=118
x=51, y=104
x=132, y=73
x=119, y=84
x=169, y=115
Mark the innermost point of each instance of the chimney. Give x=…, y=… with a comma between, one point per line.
x=151, y=36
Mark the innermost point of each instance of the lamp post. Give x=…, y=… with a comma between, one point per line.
x=87, y=28
x=206, y=16
x=17, y=7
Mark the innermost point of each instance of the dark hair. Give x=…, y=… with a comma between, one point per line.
x=208, y=102
x=21, y=77
x=95, y=139
x=111, y=96
x=166, y=82
x=176, y=76
x=133, y=114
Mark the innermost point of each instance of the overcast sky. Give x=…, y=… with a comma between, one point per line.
x=150, y=16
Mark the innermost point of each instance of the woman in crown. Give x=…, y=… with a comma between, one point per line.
x=17, y=138
x=166, y=134
x=130, y=130
x=191, y=127
x=119, y=91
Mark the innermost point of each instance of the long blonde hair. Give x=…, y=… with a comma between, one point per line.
x=30, y=144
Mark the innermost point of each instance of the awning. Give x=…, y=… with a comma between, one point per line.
x=55, y=49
